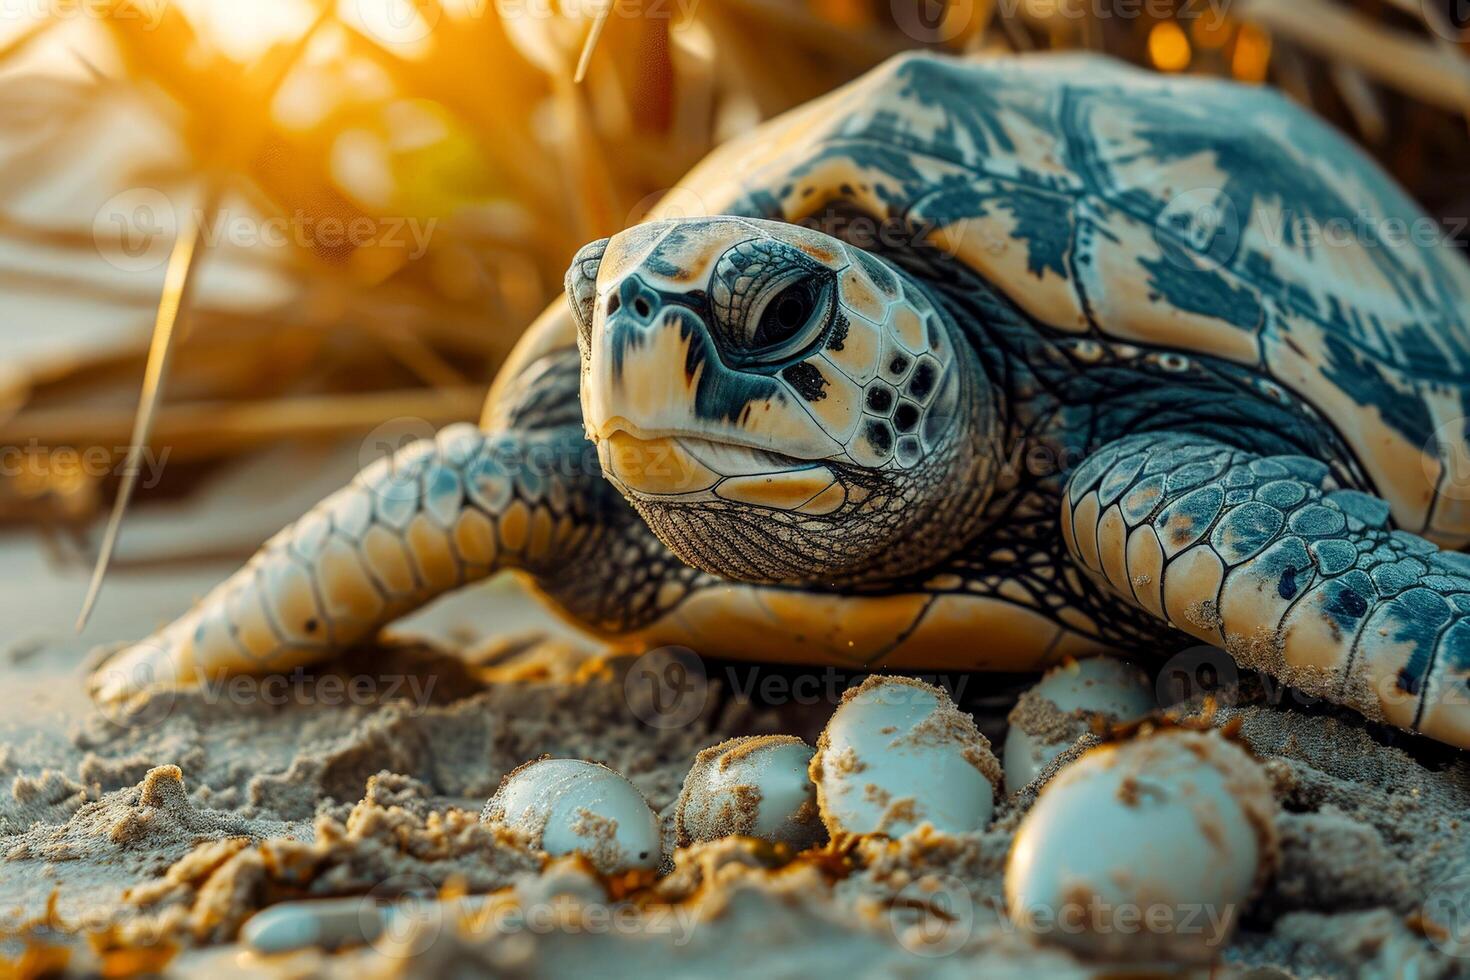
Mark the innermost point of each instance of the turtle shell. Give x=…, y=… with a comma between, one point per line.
x=1174, y=214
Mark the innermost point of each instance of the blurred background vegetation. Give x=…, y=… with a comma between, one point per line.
x=357, y=206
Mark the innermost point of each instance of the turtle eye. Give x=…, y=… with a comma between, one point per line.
x=788, y=312
x=786, y=321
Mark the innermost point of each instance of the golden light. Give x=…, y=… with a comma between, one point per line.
x=1168, y=48
x=1252, y=54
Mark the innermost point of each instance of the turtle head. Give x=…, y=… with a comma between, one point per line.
x=779, y=405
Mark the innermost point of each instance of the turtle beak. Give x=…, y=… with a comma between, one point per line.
x=581, y=287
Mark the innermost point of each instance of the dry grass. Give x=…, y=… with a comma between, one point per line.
x=476, y=134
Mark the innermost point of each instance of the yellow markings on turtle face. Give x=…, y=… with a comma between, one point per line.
x=783, y=491
x=861, y=296
x=346, y=589
x=474, y=538
x=839, y=407
x=826, y=502
x=909, y=329
x=1146, y=568
x=388, y=561
x=858, y=356
x=291, y=601
x=428, y=544
x=247, y=622
x=1112, y=549
x=515, y=524
x=1190, y=589
x=1084, y=530
x=654, y=466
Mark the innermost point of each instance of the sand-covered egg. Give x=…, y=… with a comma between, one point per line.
x=754, y=786
x=898, y=753
x=1057, y=711
x=562, y=806
x=1146, y=850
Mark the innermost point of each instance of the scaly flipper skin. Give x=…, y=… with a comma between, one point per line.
x=436, y=516
x=1265, y=556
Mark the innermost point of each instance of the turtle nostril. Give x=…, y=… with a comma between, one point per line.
x=613, y=302
x=641, y=307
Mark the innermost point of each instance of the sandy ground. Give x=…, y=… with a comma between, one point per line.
x=153, y=836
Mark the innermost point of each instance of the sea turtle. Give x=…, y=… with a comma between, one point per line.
x=970, y=364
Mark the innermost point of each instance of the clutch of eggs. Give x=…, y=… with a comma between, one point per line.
x=1146, y=850
x=756, y=786
x=564, y=806
x=1054, y=713
x=898, y=753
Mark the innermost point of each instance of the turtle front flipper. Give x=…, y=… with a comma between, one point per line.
x=1264, y=556
x=437, y=515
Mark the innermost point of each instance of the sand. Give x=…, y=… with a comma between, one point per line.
x=145, y=839
x=165, y=828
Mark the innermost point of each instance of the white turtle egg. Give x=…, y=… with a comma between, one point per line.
x=1145, y=851
x=897, y=753
x=562, y=806
x=1054, y=713
x=756, y=786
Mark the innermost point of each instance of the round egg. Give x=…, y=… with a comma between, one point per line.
x=757, y=786
x=562, y=806
x=1054, y=713
x=1147, y=850
x=897, y=753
